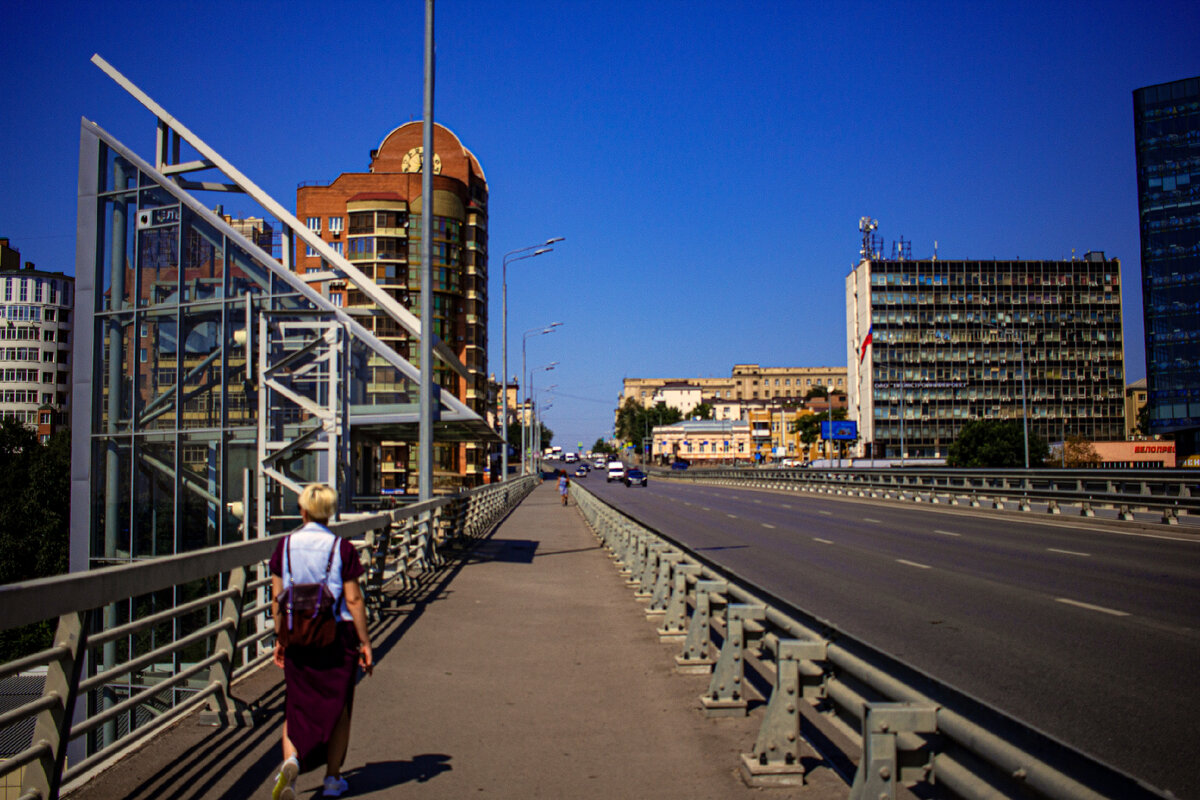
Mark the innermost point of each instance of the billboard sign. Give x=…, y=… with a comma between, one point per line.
x=844, y=430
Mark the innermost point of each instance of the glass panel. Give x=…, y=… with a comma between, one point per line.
x=201, y=354
x=158, y=247
x=154, y=498
x=116, y=172
x=203, y=260
x=118, y=353
x=158, y=371
x=200, y=491
x=110, y=493
x=246, y=276
x=114, y=256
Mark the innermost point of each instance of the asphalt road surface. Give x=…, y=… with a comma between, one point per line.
x=1085, y=630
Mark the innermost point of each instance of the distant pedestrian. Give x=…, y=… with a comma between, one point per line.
x=319, y=679
x=564, y=485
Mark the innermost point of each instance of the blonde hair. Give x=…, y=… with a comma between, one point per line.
x=319, y=501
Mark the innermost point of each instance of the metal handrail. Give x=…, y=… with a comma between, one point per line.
x=1170, y=492
x=409, y=539
x=966, y=746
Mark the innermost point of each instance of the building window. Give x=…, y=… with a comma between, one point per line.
x=335, y=224
x=309, y=251
x=337, y=247
x=37, y=291
x=24, y=291
x=314, y=224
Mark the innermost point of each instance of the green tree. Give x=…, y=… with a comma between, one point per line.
x=816, y=391
x=701, y=411
x=34, y=522
x=635, y=421
x=1143, y=420
x=995, y=444
x=602, y=446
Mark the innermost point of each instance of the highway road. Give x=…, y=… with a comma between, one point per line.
x=1085, y=630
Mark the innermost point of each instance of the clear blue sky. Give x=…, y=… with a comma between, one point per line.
x=707, y=162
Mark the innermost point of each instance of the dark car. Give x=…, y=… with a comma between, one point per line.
x=635, y=477
x=680, y=464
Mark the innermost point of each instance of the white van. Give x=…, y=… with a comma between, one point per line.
x=616, y=472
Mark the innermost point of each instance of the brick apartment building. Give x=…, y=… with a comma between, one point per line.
x=373, y=218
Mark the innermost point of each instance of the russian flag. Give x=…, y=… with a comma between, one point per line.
x=867, y=341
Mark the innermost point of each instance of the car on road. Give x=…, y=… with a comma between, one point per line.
x=635, y=477
x=616, y=471
x=581, y=472
x=680, y=464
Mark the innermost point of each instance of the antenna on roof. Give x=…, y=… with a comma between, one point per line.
x=867, y=226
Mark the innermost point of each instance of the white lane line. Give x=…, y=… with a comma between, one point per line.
x=732, y=516
x=1091, y=607
x=705, y=508
x=822, y=541
x=1068, y=552
x=868, y=519
x=785, y=505
x=767, y=525
x=913, y=564
x=948, y=533
x=825, y=513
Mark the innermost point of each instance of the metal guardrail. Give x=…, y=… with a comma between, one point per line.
x=909, y=727
x=219, y=632
x=1170, y=493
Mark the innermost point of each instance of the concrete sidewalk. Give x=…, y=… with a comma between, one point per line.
x=525, y=669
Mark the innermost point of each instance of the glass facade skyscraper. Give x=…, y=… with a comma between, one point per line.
x=1167, y=136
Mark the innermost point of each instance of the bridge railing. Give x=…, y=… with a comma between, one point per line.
x=200, y=621
x=906, y=726
x=1170, y=493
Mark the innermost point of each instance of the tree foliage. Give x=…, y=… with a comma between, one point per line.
x=635, y=421
x=602, y=446
x=35, y=520
x=995, y=444
x=809, y=425
x=514, y=437
x=1080, y=453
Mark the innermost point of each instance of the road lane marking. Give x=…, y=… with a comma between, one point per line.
x=1091, y=607
x=913, y=564
x=767, y=525
x=1068, y=552
x=785, y=505
x=825, y=513
x=822, y=541
x=948, y=533
x=732, y=516
x=705, y=508
x=868, y=519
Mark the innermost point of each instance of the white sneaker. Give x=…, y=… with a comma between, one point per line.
x=334, y=787
x=285, y=781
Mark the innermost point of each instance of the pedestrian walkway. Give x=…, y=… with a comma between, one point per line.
x=524, y=670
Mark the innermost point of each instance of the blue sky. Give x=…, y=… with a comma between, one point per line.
x=707, y=162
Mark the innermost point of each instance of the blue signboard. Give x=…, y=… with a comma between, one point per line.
x=843, y=430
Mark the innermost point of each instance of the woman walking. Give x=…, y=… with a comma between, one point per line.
x=319, y=679
x=564, y=485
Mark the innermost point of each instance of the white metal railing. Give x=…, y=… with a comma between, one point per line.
x=1170, y=493
x=908, y=727
x=170, y=662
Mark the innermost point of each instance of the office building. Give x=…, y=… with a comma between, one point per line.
x=932, y=344
x=1166, y=120
x=35, y=343
x=373, y=218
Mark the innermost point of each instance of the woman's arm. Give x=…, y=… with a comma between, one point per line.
x=277, y=613
x=358, y=610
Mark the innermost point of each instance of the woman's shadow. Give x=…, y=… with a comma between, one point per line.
x=377, y=775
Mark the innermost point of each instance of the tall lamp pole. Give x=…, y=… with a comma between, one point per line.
x=527, y=411
x=513, y=255
x=524, y=338
x=1015, y=336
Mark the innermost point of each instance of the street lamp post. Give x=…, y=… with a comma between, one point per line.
x=524, y=338
x=526, y=407
x=1024, y=395
x=514, y=255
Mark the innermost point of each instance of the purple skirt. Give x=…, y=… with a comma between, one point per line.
x=320, y=685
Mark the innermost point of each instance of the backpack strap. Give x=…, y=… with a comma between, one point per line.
x=287, y=574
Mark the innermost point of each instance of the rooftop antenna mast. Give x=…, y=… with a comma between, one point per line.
x=867, y=227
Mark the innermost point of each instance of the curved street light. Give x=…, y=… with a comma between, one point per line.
x=525, y=413
x=512, y=255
